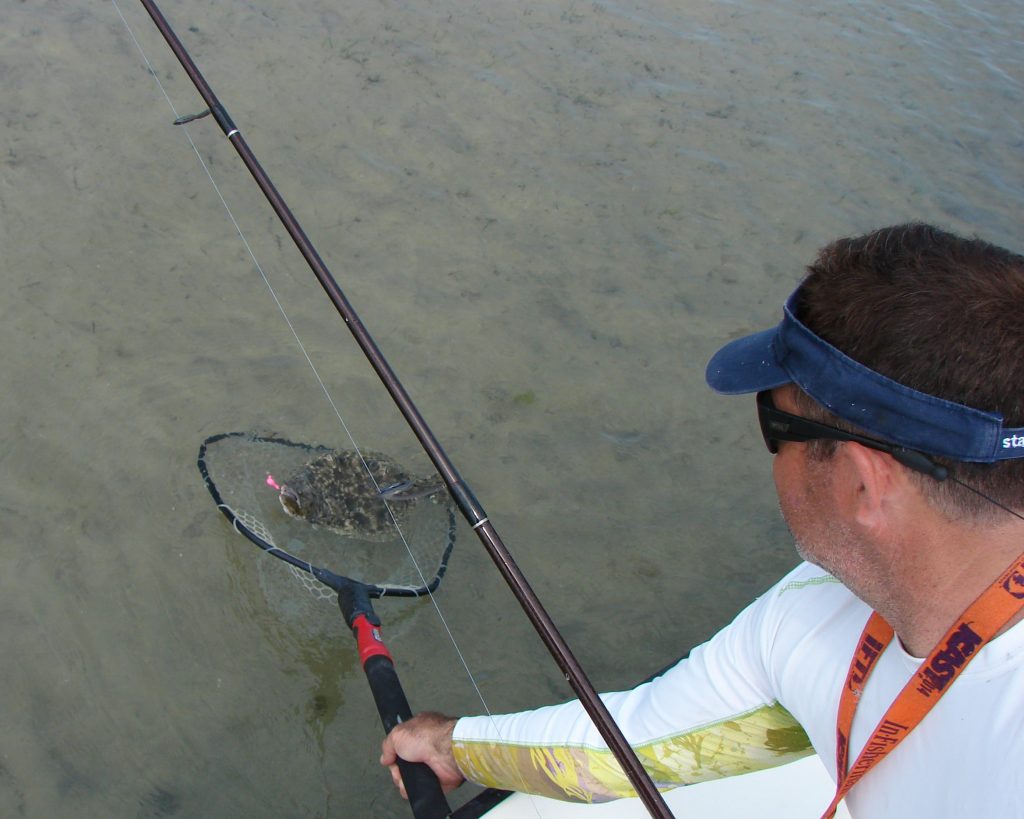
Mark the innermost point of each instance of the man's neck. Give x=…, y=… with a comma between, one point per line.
x=935, y=578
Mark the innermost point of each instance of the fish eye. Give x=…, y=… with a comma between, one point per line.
x=290, y=498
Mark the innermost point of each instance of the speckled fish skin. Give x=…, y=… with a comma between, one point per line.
x=334, y=492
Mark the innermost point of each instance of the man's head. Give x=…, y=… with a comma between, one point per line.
x=909, y=335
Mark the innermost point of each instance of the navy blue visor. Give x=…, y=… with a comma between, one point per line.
x=791, y=354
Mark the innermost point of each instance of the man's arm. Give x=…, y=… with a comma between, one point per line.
x=716, y=714
x=426, y=738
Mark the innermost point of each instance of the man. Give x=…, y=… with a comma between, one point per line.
x=892, y=397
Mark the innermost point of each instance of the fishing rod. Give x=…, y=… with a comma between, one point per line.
x=461, y=493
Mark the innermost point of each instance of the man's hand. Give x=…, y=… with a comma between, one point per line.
x=427, y=738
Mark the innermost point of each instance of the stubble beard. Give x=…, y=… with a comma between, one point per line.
x=836, y=550
x=831, y=548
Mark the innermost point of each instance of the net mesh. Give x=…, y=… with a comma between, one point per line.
x=407, y=555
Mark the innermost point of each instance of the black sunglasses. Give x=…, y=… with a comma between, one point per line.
x=777, y=425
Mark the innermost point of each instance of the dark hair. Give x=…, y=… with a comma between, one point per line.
x=939, y=313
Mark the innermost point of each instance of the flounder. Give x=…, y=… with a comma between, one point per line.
x=334, y=492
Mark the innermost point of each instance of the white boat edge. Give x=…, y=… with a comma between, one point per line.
x=794, y=791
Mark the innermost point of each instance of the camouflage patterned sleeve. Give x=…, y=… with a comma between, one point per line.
x=760, y=738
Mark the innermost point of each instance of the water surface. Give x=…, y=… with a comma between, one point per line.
x=549, y=215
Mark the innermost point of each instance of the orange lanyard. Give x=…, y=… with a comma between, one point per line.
x=975, y=627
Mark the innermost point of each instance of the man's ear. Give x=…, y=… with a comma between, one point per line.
x=864, y=485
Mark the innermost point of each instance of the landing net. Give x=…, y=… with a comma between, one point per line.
x=408, y=558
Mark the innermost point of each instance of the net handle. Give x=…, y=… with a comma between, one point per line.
x=426, y=797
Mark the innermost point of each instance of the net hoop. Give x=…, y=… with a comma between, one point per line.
x=327, y=583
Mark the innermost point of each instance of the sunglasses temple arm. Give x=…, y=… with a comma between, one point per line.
x=920, y=463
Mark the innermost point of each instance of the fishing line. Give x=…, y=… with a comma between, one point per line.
x=180, y=120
